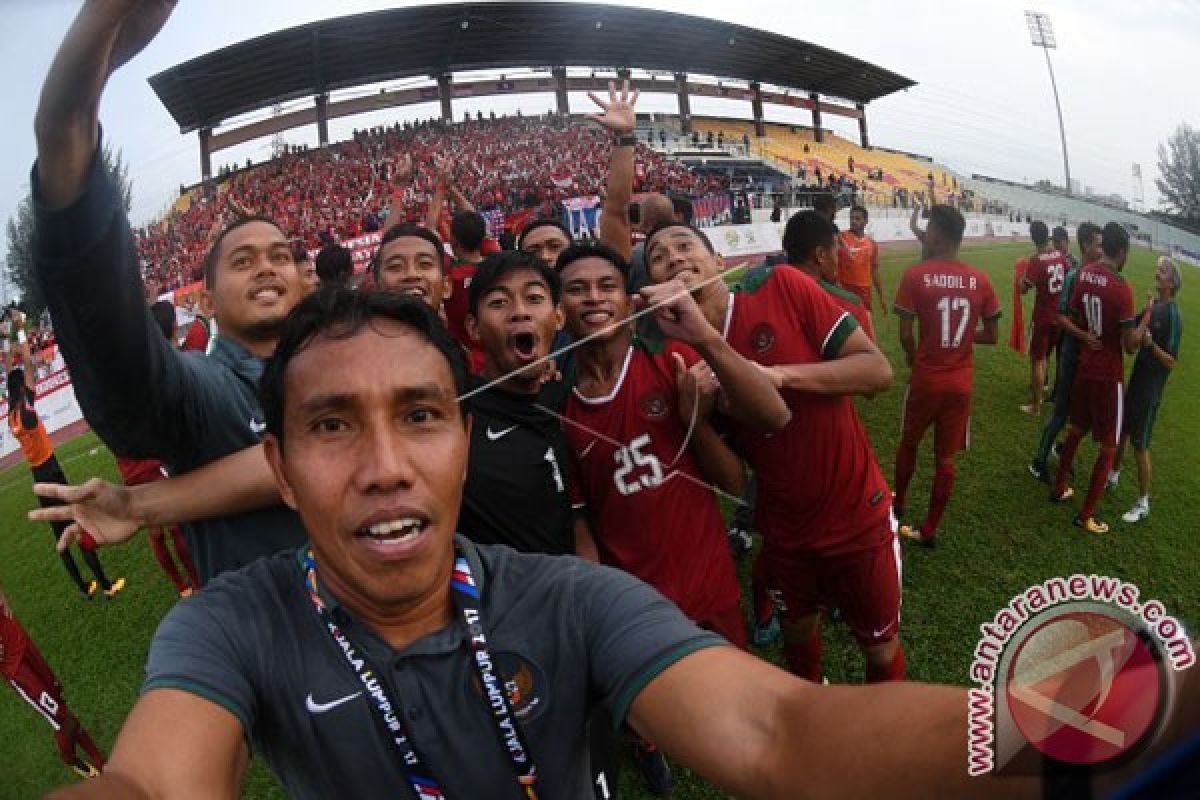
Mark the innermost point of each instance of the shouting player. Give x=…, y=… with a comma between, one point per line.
x=1103, y=304
x=1046, y=271
x=824, y=507
x=948, y=299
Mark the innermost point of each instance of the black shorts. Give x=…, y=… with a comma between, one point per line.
x=1141, y=409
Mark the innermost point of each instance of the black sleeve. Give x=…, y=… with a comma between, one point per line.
x=131, y=384
x=29, y=417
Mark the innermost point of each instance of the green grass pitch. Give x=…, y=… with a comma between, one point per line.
x=999, y=537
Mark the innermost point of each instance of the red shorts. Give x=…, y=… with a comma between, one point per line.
x=865, y=586
x=136, y=472
x=863, y=292
x=948, y=412
x=1096, y=406
x=1042, y=338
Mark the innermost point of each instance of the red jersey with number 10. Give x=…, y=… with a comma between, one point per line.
x=820, y=490
x=947, y=298
x=652, y=512
x=1102, y=302
x=1047, y=272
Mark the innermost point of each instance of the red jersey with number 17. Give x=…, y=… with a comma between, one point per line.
x=1047, y=272
x=1103, y=303
x=820, y=489
x=947, y=298
x=652, y=512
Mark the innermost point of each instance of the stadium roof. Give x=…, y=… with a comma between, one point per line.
x=350, y=51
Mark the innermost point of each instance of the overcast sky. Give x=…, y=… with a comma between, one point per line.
x=982, y=103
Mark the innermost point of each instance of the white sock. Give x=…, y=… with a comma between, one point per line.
x=1114, y=475
x=1144, y=501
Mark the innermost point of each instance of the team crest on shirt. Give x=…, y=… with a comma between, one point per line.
x=762, y=338
x=524, y=682
x=653, y=405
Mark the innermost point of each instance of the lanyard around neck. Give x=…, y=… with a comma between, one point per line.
x=387, y=711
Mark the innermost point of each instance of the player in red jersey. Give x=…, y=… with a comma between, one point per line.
x=824, y=507
x=948, y=299
x=644, y=450
x=23, y=666
x=1101, y=309
x=811, y=245
x=1046, y=271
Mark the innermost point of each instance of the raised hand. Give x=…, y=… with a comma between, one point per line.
x=99, y=512
x=404, y=171
x=618, y=116
x=697, y=386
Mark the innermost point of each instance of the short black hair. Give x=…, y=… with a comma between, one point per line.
x=1085, y=233
x=949, y=221
x=1114, y=239
x=400, y=231
x=857, y=209
x=542, y=222
x=468, y=228
x=805, y=232
x=210, y=258
x=164, y=314
x=682, y=205
x=664, y=226
x=338, y=312
x=335, y=264
x=824, y=202
x=577, y=252
x=1059, y=234
x=16, y=383
x=1039, y=233
x=497, y=265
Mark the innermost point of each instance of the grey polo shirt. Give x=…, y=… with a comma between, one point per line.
x=566, y=633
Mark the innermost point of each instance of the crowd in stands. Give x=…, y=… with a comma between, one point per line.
x=345, y=190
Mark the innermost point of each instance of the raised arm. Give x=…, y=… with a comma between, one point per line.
x=857, y=368
x=130, y=382
x=401, y=179
x=433, y=215
x=620, y=118
x=205, y=754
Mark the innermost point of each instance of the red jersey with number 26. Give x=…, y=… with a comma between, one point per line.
x=947, y=298
x=1047, y=272
x=820, y=490
x=1102, y=302
x=651, y=510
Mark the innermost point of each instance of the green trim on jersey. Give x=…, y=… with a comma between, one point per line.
x=753, y=279
x=834, y=289
x=620, y=709
x=846, y=326
x=648, y=347
x=1174, y=328
x=205, y=693
x=1064, y=299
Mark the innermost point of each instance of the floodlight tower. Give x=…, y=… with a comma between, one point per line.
x=1041, y=34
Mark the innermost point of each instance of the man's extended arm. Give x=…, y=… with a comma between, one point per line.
x=989, y=333
x=908, y=339
x=130, y=383
x=618, y=117
x=858, y=368
x=112, y=513
x=205, y=754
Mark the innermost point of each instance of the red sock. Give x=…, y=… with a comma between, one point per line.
x=906, y=465
x=89, y=747
x=1066, y=458
x=159, y=546
x=1104, y=463
x=804, y=658
x=892, y=672
x=185, y=556
x=939, y=497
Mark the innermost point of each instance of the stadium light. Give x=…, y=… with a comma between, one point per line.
x=1041, y=34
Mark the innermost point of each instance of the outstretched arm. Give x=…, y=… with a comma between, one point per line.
x=112, y=513
x=400, y=181
x=619, y=118
x=205, y=754
x=858, y=368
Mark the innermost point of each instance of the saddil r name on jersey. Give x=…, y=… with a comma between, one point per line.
x=950, y=281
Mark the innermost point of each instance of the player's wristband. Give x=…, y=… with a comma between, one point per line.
x=625, y=140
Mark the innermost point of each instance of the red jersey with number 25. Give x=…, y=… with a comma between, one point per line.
x=651, y=510
x=820, y=489
x=947, y=298
x=1102, y=302
x=1047, y=272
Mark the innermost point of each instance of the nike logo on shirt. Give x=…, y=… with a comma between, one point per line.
x=320, y=708
x=494, y=435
